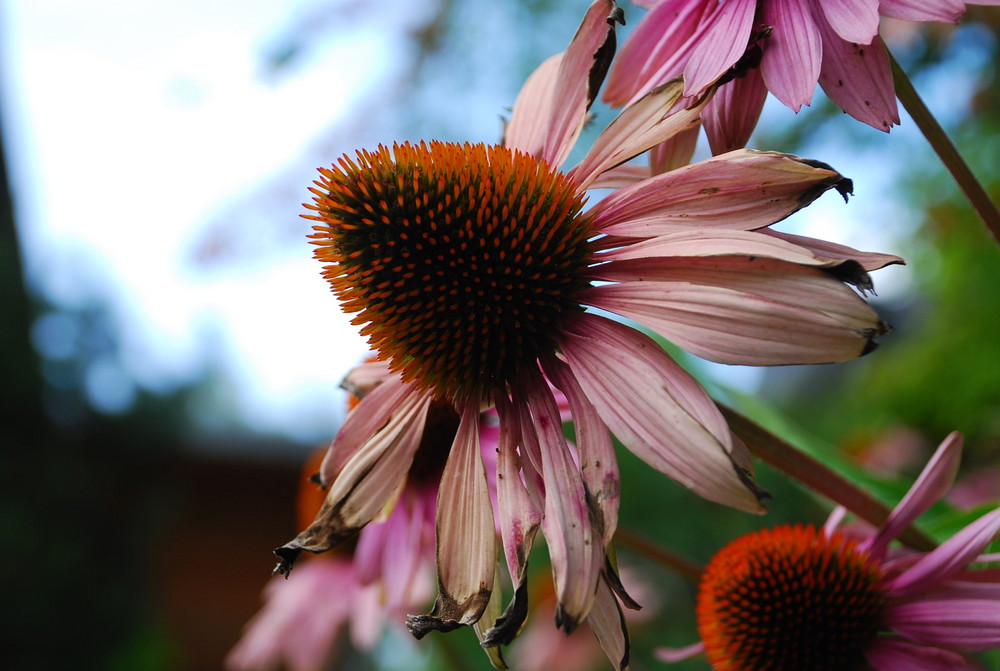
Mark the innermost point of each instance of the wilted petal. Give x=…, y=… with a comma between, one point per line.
x=792, y=52
x=725, y=42
x=369, y=479
x=608, y=624
x=853, y=20
x=655, y=408
x=732, y=114
x=831, y=250
x=560, y=99
x=949, y=11
x=486, y=623
x=743, y=189
x=859, y=81
x=576, y=557
x=949, y=558
x=655, y=118
x=598, y=463
x=934, y=482
x=519, y=523
x=890, y=654
x=368, y=416
x=962, y=624
x=466, y=554
x=675, y=152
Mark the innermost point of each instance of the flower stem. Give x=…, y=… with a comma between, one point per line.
x=815, y=475
x=945, y=149
x=661, y=555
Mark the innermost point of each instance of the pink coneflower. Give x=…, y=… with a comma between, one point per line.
x=798, y=43
x=470, y=266
x=797, y=597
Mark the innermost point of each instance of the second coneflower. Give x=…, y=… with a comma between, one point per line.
x=470, y=268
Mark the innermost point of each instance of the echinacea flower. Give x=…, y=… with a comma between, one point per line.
x=797, y=597
x=796, y=42
x=470, y=266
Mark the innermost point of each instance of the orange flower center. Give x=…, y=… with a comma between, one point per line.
x=460, y=260
x=788, y=599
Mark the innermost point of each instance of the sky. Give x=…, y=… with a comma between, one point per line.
x=141, y=136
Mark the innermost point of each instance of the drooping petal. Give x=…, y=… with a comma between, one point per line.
x=369, y=479
x=949, y=11
x=657, y=49
x=519, y=523
x=608, y=624
x=961, y=624
x=722, y=46
x=858, y=80
x=655, y=408
x=949, y=558
x=598, y=463
x=793, y=52
x=732, y=114
x=575, y=554
x=831, y=250
x=743, y=189
x=368, y=416
x=466, y=538
x=934, y=482
x=853, y=20
x=892, y=654
x=561, y=99
x=655, y=118
x=735, y=327
x=485, y=624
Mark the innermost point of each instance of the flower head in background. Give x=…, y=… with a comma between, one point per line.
x=797, y=597
x=796, y=42
x=470, y=268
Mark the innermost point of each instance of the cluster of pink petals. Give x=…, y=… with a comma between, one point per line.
x=687, y=253
x=833, y=42
x=937, y=606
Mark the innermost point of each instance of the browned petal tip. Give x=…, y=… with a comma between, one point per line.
x=286, y=555
x=508, y=625
x=421, y=625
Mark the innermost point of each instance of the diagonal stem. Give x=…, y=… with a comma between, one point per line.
x=945, y=149
x=661, y=555
x=818, y=477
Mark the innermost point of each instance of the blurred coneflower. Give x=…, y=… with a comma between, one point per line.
x=797, y=597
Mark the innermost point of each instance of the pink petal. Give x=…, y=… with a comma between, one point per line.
x=949, y=11
x=466, y=553
x=655, y=408
x=859, y=81
x=653, y=119
x=744, y=189
x=949, y=558
x=725, y=42
x=674, y=655
x=598, y=463
x=528, y=127
x=571, y=90
x=962, y=624
x=853, y=20
x=793, y=52
x=934, y=482
x=621, y=176
x=732, y=114
x=576, y=558
x=673, y=153
x=890, y=654
x=608, y=624
x=368, y=481
x=368, y=416
x=657, y=49
x=830, y=250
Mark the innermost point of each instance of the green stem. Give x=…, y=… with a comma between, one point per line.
x=661, y=555
x=945, y=149
x=817, y=476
